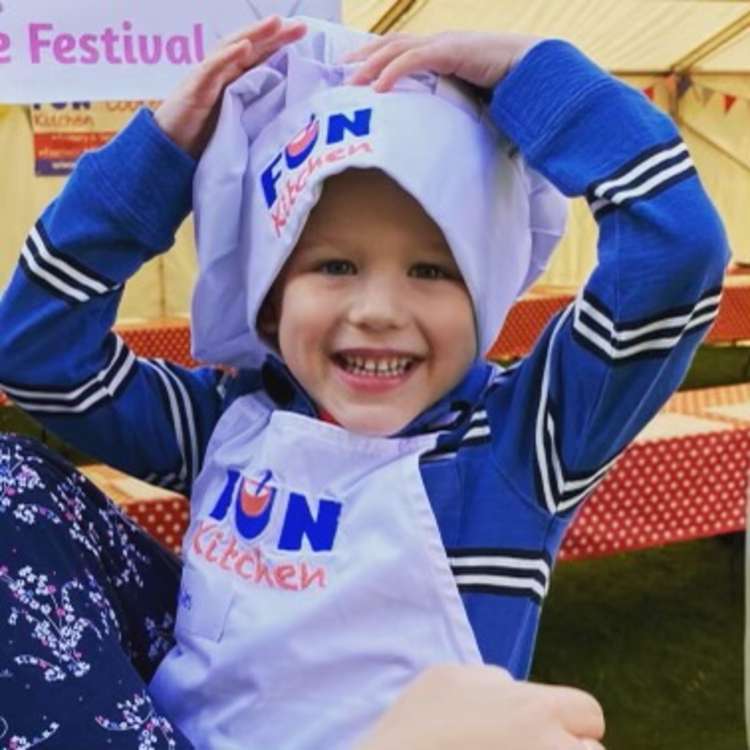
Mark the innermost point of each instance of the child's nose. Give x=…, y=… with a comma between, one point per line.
x=379, y=305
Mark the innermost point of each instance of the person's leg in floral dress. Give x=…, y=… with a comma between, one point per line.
x=87, y=603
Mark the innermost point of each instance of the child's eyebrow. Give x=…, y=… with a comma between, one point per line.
x=320, y=245
x=435, y=247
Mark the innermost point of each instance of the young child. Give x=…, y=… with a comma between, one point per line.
x=327, y=564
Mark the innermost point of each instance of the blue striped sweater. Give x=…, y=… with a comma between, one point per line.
x=519, y=449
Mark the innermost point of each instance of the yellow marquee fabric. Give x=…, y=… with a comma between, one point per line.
x=642, y=42
x=160, y=289
x=624, y=36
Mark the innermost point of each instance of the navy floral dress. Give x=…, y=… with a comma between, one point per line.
x=87, y=604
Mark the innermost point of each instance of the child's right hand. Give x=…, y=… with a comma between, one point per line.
x=483, y=708
x=188, y=115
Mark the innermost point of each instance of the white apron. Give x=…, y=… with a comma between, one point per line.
x=315, y=586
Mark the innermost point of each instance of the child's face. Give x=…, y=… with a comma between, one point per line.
x=370, y=313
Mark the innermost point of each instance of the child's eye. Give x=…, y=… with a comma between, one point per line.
x=428, y=271
x=337, y=267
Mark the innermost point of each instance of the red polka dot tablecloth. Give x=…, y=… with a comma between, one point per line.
x=166, y=339
x=528, y=317
x=525, y=321
x=685, y=476
x=663, y=491
x=659, y=492
x=167, y=520
x=163, y=513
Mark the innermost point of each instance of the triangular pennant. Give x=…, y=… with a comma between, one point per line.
x=684, y=84
x=704, y=94
x=649, y=92
x=729, y=101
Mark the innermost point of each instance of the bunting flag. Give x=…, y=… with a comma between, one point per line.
x=684, y=84
x=676, y=85
x=704, y=94
x=729, y=101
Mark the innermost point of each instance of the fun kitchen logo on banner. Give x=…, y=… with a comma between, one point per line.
x=64, y=131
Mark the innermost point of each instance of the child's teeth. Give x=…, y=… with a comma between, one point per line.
x=378, y=367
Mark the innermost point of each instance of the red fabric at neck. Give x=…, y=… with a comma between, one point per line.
x=327, y=416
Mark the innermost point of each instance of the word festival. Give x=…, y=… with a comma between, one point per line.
x=115, y=46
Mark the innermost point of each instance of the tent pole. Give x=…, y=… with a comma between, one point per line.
x=392, y=16
x=726, y=35
x=624, y=73
x=162, y=288
x=711, y=142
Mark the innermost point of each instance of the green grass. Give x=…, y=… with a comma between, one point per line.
x=718, y=365
x=657, y=636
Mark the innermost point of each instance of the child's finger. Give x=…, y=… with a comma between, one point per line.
x=579, y=712
x=229, y=62
x=256, y=31
x=219, y=68
x=363, y=52
x=379, y=59
x=285, y=35
x=422, y=58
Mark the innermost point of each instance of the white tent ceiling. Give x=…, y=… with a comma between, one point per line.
x=625, y=36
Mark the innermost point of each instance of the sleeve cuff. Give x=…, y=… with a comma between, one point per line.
x=147, y=178
x=547, y=84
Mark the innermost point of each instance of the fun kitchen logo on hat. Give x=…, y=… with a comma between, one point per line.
x=284, y=179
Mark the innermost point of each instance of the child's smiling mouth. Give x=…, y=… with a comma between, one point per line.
x=373, y=369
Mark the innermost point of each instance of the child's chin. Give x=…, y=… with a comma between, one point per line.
x=375, y=422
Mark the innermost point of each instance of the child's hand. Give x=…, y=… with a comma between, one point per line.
x=479, y=58
x=454, y=707
x=188, y=116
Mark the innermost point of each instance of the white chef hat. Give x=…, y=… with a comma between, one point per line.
x=288, y=124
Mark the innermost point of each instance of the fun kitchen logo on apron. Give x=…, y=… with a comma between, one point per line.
x=251, y=503
x=297, y=163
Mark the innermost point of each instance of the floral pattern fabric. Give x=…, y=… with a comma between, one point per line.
x=87, y=607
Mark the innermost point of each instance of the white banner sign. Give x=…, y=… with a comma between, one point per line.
x=52, y=50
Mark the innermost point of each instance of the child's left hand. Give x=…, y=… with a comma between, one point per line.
x=480, y=58
x=189, y=114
